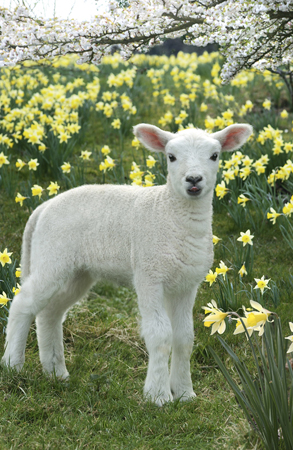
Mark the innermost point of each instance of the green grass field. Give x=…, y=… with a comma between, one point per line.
x=49, y=116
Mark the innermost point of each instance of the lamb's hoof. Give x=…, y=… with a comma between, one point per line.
x=185, y=396
x=60, y=374
x=159, y=398
x=9, y=363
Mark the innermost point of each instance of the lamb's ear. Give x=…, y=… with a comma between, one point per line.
x=153, y=138
x=234, y=136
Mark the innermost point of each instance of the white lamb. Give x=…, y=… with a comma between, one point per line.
x=158, y=239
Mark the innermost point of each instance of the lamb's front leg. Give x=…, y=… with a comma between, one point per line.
x=157, y=332
x=182, y=343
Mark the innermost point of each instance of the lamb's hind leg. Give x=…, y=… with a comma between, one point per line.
x=23, y=310
x=49, y=325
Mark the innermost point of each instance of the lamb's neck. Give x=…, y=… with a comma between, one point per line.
x=190, y=213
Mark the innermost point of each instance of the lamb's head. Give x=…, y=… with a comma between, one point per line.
x=192, y=154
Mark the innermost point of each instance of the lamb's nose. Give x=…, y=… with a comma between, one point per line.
x=194, y=180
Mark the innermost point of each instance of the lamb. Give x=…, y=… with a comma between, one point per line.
x=159, y=239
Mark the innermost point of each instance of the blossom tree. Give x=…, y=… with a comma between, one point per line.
x=249, y=33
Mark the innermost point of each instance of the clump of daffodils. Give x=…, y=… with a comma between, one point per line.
x=253, y=319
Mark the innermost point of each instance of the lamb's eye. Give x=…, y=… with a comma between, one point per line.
x=214, y=157
x=172, y=158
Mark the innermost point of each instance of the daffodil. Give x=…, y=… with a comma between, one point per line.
x=37, y=190
x=273, y=215
x=242, y=270
x=290, y=349
x=211, y=277
x=288, y=147
x=108, y=163
x=151, y=161
x=222, y=269
x=18, y=272
x=20, y=164
x=245, y=238
x=135, y=142
x=242, y=200
x=221, y=190
x=203, y=107
x=262, y=284
x=149, y=179
x=244, y=172
x=33, y=164
x=105, y=150
x=288, y=208
x=4, y=299
x=254, y=320
x=216, y=239
x=3, y=159
x=116, y=124
x=5, y=257
x=16, y=289
x=284, y=114
x=267, y=104
x=63, y=137
x=20, y=199
x=85, y=155
x=66, y=167
x=53, y=188
x=216, y=318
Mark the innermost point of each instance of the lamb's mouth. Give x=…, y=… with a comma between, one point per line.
x=194, y=191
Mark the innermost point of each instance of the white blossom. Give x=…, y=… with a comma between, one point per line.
x=251, y=34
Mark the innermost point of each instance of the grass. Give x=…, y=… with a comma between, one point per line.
x=102, y=405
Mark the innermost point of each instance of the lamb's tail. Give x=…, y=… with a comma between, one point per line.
x=27, y=241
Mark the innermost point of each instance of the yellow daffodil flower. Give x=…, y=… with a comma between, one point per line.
x=20, y=164
x=246, y=238
x=288, y=208
x=105, y=150
x=221, y=190
x=18, y=272
x=284, y=114
x=37, y=190
x=53, y=188
x=33, y=164
x=216, y=239
x=288, y=147
x=244, y=172
x=85, y=155
x=273, y=215
x=5, y=257
x=203, y=107
x=254, y=320
x=116, y=124
x=16, y=289
x=66, y=167
x=262, y=284
x=108, y=163
x=222, y=269
x=242, y=271
x=211, y=277
x=150, y=161
x=149, y=179
x=267, y=104
x=4, y=299
x=216, y=318
x=3, y=159
x=20, y=199
x=242, y=200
